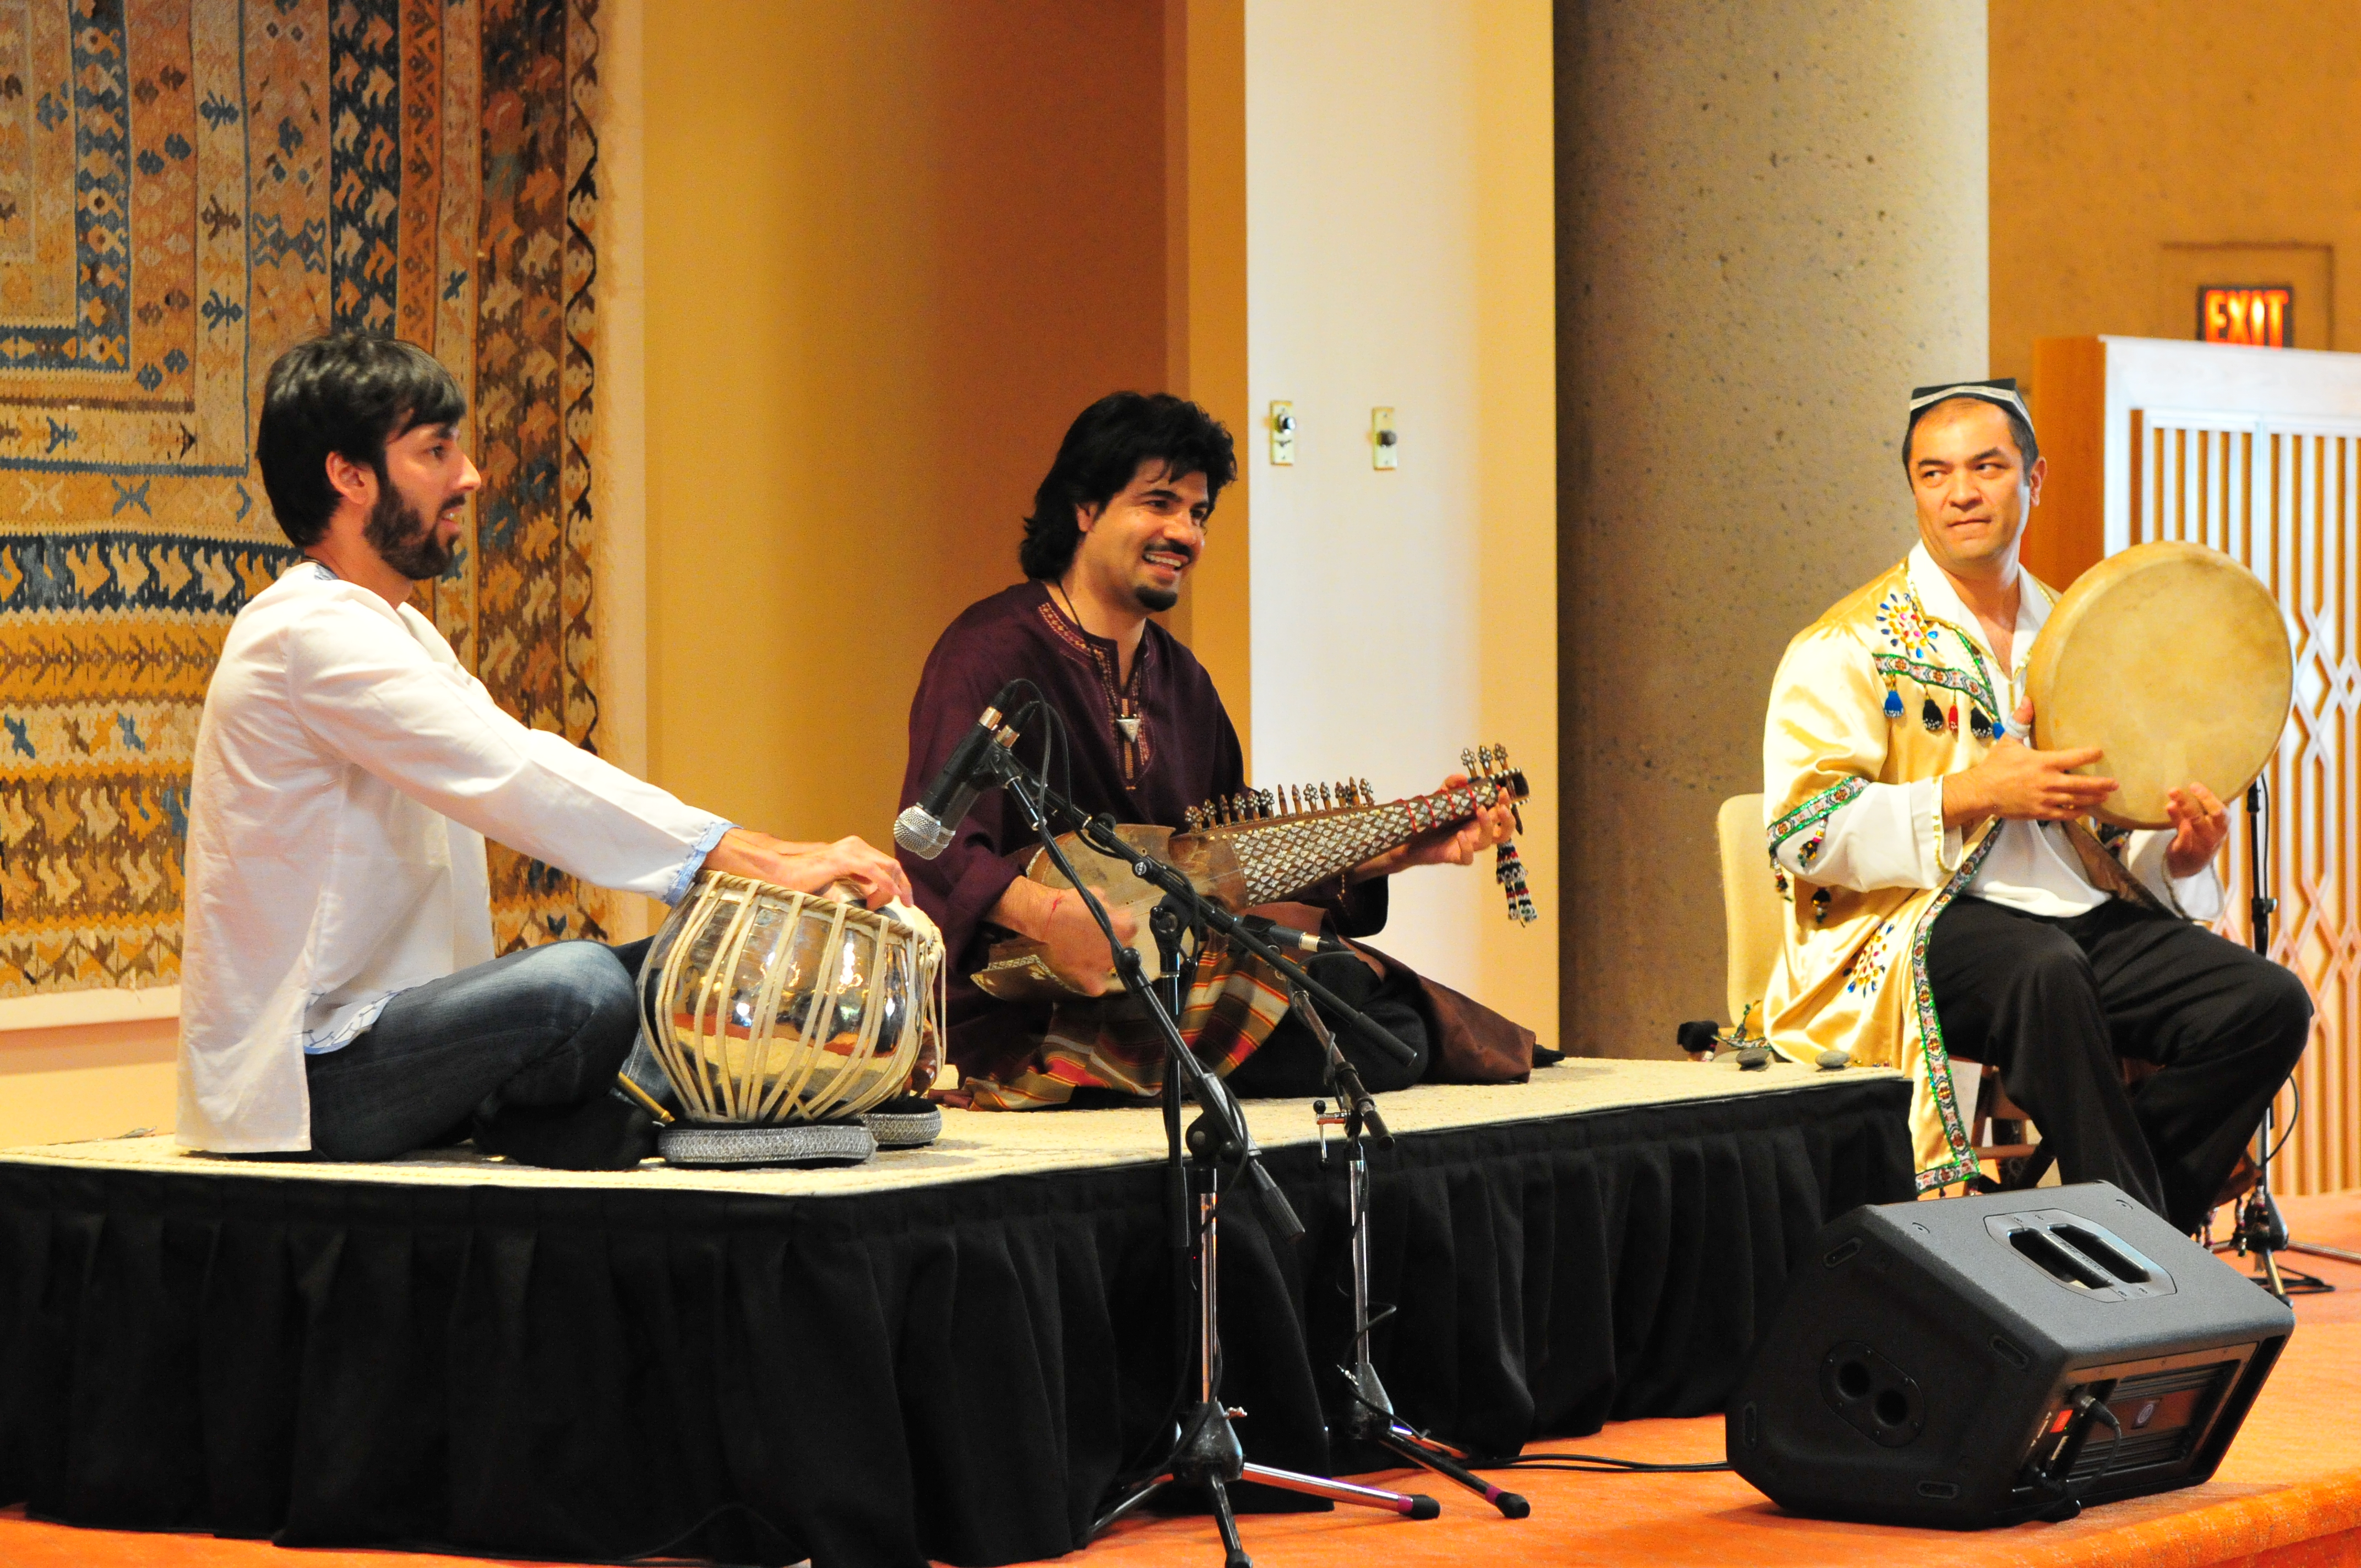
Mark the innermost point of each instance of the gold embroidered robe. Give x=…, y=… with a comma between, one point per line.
x=1852, y=969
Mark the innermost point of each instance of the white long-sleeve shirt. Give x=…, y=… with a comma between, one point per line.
x=1892, y=835
x=347, y=771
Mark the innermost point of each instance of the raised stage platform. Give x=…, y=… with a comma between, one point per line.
x=948, y=1353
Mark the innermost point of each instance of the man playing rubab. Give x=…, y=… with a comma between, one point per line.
x=1118, y=522
x=1948, y=895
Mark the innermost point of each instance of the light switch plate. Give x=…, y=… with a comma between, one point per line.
x=1283, y=432
x=1385, y=442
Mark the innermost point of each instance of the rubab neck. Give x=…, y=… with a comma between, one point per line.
x=1284, y=856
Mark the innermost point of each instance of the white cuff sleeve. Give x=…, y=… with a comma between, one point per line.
x=1885, y=836
x=2199, y=897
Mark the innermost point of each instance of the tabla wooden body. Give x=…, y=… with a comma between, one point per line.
x=780, y=1017
x=2173, y=660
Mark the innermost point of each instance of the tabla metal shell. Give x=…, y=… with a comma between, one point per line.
x=2173, y=660
x=736, y=1051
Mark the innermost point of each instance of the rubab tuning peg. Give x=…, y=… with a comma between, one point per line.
x=1467, y=761
x=1369, y=795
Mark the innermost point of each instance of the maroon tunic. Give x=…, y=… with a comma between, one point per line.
x=1186, y=753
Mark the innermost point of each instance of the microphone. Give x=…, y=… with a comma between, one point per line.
x=927, y=827
x=1287, y=938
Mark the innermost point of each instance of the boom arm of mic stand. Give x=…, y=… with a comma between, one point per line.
x=1212, y=1096
x=1349, y=1086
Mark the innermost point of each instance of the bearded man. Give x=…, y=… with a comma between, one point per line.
x=1947, y=894
x=339, y=989
x=1117, y=522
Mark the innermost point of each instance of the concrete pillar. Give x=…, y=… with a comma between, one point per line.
x=1773, y=223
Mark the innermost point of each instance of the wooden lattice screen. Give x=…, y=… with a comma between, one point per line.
x=2280, y=495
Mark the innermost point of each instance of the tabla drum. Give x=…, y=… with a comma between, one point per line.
x=2173, y=660
x=783, y=1019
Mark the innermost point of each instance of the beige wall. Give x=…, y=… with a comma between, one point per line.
x=1770, y=230
x=2128, y=134
x=86, y=1064
x=1400, y=255
x=892, y=249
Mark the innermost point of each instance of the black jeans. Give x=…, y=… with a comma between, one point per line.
x=543, y=1029
x=2053, y=1003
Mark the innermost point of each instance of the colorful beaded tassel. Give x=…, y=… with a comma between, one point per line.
x=1508, y=868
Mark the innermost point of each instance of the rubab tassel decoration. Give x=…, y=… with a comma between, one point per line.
x=1508, y=867
x=1489, y=763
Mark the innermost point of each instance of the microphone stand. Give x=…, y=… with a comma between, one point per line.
x=1371, y=1417
x=2260, y=1229
x=1207, y=1454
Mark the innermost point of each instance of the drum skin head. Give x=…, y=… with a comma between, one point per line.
x=2173, y=660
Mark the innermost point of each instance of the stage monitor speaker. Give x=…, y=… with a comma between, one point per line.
x=1944, y=1363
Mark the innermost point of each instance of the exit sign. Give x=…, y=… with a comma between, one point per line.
x=2261, y=316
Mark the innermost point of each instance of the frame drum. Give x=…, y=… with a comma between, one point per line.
x=2173, y=660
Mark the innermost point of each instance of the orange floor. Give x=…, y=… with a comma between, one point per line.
x=2290, y=1496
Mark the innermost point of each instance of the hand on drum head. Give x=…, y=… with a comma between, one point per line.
x=2017, y=781
x=2200, y=823
x=811, y=867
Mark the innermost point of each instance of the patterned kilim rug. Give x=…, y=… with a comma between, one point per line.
x=186, y=188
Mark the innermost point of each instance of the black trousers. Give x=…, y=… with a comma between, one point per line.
x=2053, y=1003
x=1292, y=1064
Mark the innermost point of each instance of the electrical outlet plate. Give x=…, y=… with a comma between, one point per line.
x=1385, y=444
x=1283, y=432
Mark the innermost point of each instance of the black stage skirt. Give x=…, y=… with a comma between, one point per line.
x=956, y=1371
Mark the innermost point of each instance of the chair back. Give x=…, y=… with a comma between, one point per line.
x=1752, y=912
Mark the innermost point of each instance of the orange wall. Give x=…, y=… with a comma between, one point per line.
x=892, y=248
x=2126, y=132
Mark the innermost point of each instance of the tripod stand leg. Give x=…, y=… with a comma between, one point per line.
x=1233, y=1550
x=1411, y=1505
x=1128, y=1505
x=1404, y=1442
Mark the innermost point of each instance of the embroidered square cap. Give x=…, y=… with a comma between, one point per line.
x=2002, y=393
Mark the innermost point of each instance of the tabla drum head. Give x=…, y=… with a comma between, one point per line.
x=2173, y=660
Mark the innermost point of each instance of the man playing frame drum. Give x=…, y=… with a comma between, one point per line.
x=1947, y=893
x=339, y=991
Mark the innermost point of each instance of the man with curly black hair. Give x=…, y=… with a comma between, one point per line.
x=1121, y=518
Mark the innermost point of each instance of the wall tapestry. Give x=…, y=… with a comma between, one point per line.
x=186, y=187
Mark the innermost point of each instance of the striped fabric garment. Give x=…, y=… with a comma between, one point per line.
x=1235, y=1002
